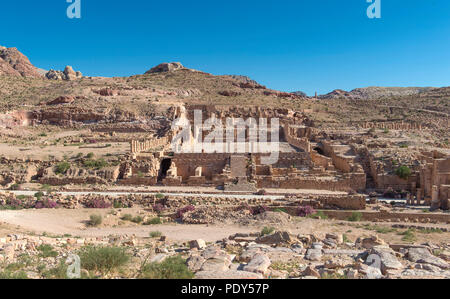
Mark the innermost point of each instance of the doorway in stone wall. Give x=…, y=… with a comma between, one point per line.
x=165, y=166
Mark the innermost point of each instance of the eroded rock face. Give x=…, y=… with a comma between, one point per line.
x=166, y=67
x=14, y=63
x=68, y=74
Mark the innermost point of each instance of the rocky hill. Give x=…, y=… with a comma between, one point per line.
x=375, y=92
x=12, y=62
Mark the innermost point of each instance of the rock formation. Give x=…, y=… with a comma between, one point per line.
x=68, y=74
x=166, y=67
x=14, y=63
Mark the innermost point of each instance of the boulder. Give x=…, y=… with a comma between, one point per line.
x=369, y=243
x=199, y=244
x=424, y=256
x=260, y=263
x=195, y=263
x=277, y=238
x=310, y=271
x=387, y=258
x=313, y=254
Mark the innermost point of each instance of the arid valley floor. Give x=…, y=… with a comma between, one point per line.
x=360, y=189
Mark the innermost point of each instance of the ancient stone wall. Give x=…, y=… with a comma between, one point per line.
x=146, y=145
x=352, y=182
x=291, y=135
x=211, y=164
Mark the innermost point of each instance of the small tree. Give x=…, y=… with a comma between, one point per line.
x=62, y=167
x=403, y=172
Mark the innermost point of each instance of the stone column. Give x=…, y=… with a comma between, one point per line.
x=419, y=196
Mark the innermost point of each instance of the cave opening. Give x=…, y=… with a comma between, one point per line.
x=165, y=166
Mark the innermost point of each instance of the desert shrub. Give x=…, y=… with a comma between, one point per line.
x=159, y=208
x=90, y=155
x=403, y=172
x=184, y=210
x=95, y=164
x=103, y=259
x=14, y=187
x=160, y=196
x=13, y=275
x=318, y=215
x=58, y=272
x=153, y=221
x=14, y=204
x=267, y=230
x=355, y=217
x=127, y=217
x=46, y=204
x=95, y=220
x=137, y=219
x=62, y=167
x=46, y=250
x=408, y=236
x=98, y=204
x=118, y=204
x=305, y=211
x=171, y=268
x=39, y=194
x=155, y=234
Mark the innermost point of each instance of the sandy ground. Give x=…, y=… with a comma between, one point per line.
x=60, y=222
x=42, y=153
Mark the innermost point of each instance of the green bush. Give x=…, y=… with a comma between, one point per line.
x=403, y=172
x=62, y=167
x=90, y=155
x=153, y=221
x=171, y=268
x=355, y=217
x=408, y=236
x=39, y=194
x=318, y=215
x=95, y=220
x=127, y=217
x=155, y=234
x=58, y=272
x=14, y=187
x=13, y=275
x=137, y=219
x=95, y=164
x=267, y=230
x=46, y=250
x=103, y=259
x=160, y=196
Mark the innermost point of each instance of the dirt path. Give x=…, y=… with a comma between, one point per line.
x=60, y=222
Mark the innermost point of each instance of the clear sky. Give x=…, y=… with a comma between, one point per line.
x=308, y=45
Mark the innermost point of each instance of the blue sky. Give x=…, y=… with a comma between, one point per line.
x=308, y=45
